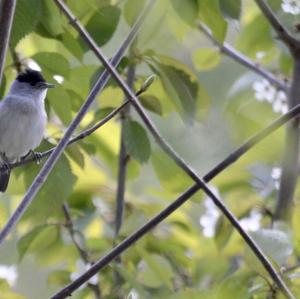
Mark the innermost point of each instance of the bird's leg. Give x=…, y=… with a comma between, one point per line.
x=36, y=155
x=5, y=165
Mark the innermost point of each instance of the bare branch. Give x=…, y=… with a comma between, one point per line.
x=123, y=161
x=243, y=60
x=290, y=163
x=7, y=10
x=89, y=131
x=134, y=237
x=82, y=252
x=48, y=166
x=282, y=32
x=177, y=159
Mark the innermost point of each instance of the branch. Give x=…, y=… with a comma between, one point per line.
x=290, y=165
x=7, y=10
x=89, y=131
x=122, y=161
x=282, y=32
x=147, y=227
x=243, y=60
x=177, y=159
x=82, y=252
x=48, y=166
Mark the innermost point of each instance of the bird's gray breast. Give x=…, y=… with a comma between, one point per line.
x=22, y=125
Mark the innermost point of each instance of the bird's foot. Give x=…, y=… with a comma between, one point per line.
x=5, y=167
x=37, y=157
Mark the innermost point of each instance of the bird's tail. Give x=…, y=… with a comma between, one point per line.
x=4, y=179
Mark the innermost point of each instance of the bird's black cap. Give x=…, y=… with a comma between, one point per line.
x=31, y=76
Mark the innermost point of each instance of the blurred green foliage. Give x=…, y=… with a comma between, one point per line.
x=203, y=104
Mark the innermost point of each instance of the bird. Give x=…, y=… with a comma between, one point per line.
x=23, y=120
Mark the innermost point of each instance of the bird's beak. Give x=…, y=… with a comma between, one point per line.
x=45, y=85
x=48, y=85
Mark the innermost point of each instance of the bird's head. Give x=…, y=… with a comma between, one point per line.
x=30, y=82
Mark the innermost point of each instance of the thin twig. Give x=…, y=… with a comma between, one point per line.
x=243, y=60
x=134, y=237
x=7, y=10
x=290, y=163
x=70, y=226
x=48, y=166
x=177, y=159
x=86, y=132
x=123, y=160
x=282, y=32
x=82, y=252
x=121, y=185
x=17, y=63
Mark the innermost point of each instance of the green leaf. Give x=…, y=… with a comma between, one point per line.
x=137, y=141
x=170, y=176
x=206, y=58
x=275, y=243
x=211, y=15
x=54, y=192
x=187, y=10
x=157, y=271
x=231, y=8
x=250, y=42
x=103, y=24
x=132, y=9
x=151, y=103
x=51, y=20
x=53, y=62
x=224, y=230
x=26, y=241
x=58, y=278
x=60, y=101
x=27, y=15
x=75, y=153
x=72, y=44
x=181, y=89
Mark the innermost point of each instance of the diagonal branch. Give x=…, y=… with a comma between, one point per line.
x=177, y=159
x=290, y=162
x=48, y=166
x=243, y=60
x=134, y=237
x=282, y=32
x=7, y=10
x=89, y=131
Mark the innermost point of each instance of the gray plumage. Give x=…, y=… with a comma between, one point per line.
x=23, y=119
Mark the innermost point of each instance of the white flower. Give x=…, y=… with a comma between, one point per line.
x=276, y=175
x=291, y=6
x=82, y=267
x=133, y=294
x=264, y=91
x=252, y=222
x=209, y=219
x=9, y=273
x=260, y=55
x=280, y=103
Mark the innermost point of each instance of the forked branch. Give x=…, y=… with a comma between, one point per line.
x=177, y=159
x=243, y=60
x=57, y=152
